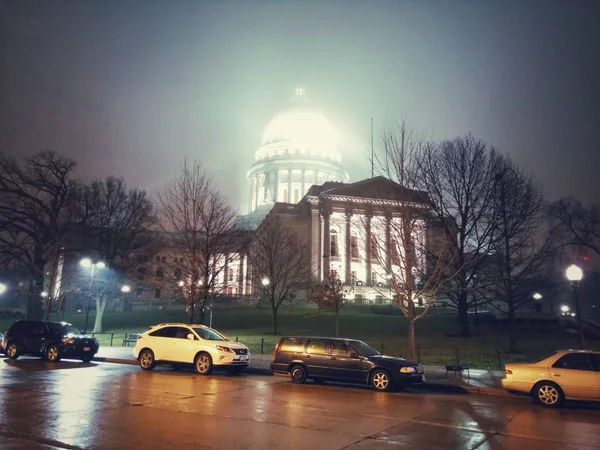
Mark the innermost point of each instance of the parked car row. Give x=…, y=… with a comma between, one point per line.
x=565, y=375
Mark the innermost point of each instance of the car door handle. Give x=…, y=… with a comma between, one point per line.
x=556, y=374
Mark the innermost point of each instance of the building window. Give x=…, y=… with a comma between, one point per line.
x=157, y=293
x=159, y=274
x=158, y=259
x=177, y=274
x=181, y=260
x=285, y=196
x=230, y=275
x=374, y=249
x=334, y=248
x=354, y=247
x=139, y=292
x=395, y=257
x=296, y=195
x=373, y=278
x=164, y=259
x=141, y=273
x=229, y=290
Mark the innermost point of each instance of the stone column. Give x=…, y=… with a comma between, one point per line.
x=320, y=251
x=241, y=274
x=326, y=244
x=303, y=192
x=289, y=199
x=226, y=274
x=276, y=187
x=348, y=248
x=368, y=248
x=388, y=245
x=315, y=241
x=255, y=192
x=248, y=279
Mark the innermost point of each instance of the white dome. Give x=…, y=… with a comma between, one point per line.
x=300, y=125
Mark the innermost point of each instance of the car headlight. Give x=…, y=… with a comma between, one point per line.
x=408, y=370
x=224, y=349
x=67, y=340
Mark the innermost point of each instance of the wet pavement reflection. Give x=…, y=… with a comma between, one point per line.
x=109, y=406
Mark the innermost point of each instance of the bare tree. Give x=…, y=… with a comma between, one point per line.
x=280, y=262
x=576, y=224
x=460, y=177
x=197, y=221
x=36, y=214
x=520, y=244
x=115, y=222
x=416, y=261
x=328, y=295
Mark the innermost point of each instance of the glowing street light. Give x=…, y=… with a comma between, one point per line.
x=565, y=309
x=125, y=289
x=2, y=288
x=574, y=274
x=265, y=281
x=87, y=263
x=537, y=296
x=44, y=294
x=180, y=283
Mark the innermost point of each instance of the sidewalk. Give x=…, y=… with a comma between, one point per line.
x=486, y=382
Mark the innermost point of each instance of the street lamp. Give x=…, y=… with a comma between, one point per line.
x=125, y=289
x=574, y=274
x=265, y=282
x=537, y=296
x=87, y=263
x=564, y=309
x=2, y=288
x=44, y=294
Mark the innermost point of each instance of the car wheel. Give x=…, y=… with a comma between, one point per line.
x=298, y=374
x=380, y=380
x=146, y=359
x=549, y=394
x=52, y=353
x=12, y=351
x=203, y=364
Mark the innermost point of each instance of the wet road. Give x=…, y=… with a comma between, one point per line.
x=109, y=406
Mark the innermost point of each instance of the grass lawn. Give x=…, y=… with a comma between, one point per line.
x=435, y=334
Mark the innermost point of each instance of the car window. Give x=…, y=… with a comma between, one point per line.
x=596, y=361
x=208, y=334
x=36, y=328
x=63, y=328
x=292, y=345
x=575, y=361
x=339, y=348
x=181, y=332
x=316, y=347
x=166, y=332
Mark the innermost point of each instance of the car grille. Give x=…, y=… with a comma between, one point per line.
x=240, y=351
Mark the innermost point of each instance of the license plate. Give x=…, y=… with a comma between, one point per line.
x=243, y=358
x=86, y=349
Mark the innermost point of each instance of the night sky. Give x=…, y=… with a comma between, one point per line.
x=132, y=87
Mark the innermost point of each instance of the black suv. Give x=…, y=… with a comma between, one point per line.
x=346, y=360
x=50, y=340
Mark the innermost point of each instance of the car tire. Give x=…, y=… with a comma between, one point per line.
x=203, y=364
x=52, y=353
x=549, y=394
x=380, y=380
x=298, y=374
x=146, y=359
x=12, y=351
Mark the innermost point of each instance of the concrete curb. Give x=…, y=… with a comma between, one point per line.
x=131, y=362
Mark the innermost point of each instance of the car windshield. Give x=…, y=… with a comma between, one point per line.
x=363, y=349
x=209, y=334
x=64, y=328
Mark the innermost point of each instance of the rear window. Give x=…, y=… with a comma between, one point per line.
x=292, y=345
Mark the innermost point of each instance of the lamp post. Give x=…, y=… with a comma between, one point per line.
x=537, y=304
x=87, y=263
x=574, y=274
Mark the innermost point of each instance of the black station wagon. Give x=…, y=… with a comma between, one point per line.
x=345, y=360
x=50, y=340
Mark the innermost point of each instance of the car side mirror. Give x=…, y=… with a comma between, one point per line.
x=190, y=336
x=354, y=355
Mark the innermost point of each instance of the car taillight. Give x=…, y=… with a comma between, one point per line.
x=276, y=349
x=508, y=372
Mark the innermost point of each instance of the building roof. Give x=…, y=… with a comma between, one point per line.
x=378, y=187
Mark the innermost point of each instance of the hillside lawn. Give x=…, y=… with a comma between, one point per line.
x=385, y=330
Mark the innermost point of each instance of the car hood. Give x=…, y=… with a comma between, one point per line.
x=232, y=344
x=400, y=362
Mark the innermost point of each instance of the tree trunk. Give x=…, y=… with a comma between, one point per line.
x=463, y=314
x=101, y=301
x=512, y=346
x=202, y=312
x=274, y=320
x=34, y=300
x=337, y=324
x=411, y=340
x=191, y=309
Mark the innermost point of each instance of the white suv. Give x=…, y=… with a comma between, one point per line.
x=179, y=343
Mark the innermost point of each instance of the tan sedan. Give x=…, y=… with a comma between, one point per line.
x=566, y=375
